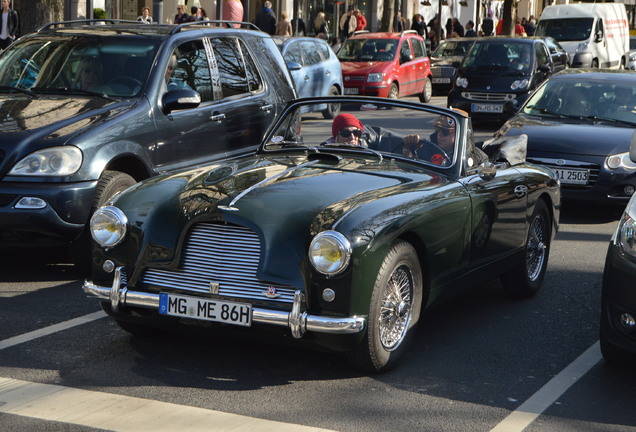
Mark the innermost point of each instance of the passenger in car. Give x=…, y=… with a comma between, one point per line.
x=173, y=82
x=439, y=149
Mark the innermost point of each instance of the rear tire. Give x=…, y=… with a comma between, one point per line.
x=109, y=184
x=394, y=311
x=332, y=109
x=524, y=280
x=427, y=93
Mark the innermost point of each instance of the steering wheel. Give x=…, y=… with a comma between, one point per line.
x=129, y=82
x=435, y=154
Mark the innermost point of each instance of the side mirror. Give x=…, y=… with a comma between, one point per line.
x=180, y=99
x=544, y=68
x=457, y=64
x=404, y=58
x=487, y=171
x=510, y=107
x=632, y=148
x=598, y=37
x=294, y=66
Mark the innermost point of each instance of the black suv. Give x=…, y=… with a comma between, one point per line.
x=88, y=108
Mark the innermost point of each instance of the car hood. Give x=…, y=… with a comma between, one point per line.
x=285, y=200
x=52, y=117
x=575, y=137
x=363, y=68
x=445, y=61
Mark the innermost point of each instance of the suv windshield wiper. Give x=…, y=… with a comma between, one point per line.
x=21, y=90
x=74, y=91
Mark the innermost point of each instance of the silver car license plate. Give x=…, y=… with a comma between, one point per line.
x=572, y=176
x=487, y=108
x=206, y=309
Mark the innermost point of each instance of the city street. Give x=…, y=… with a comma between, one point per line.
x=481, y=362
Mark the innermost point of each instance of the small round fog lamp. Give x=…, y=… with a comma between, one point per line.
x=627, y=321
x=328, y=295
x=628, y=190
x=108, y=266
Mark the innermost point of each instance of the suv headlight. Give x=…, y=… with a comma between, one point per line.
x=108, y=226
x=54, y=161
x=620, y=160
x=375, y=77
x=330, y=252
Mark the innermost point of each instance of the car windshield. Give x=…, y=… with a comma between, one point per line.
x=632, y=43
x=511, y=57
x=566, y=29
x=364, y=50
x=590, y=100
x=373, y=130
x=115, y=67
x=452, y=48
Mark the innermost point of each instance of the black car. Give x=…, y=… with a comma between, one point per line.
x=580, y=123
x=617, y=333
x=88, y=110
x=496, y=70
x=443, y=59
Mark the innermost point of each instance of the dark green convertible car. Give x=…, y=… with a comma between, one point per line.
x=338, y=233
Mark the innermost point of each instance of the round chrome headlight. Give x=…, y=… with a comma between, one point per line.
x=330, y=252
x=108, y=226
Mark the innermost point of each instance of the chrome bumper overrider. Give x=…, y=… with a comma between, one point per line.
x=297, y=320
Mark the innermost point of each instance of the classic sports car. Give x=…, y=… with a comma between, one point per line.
x=336, y=232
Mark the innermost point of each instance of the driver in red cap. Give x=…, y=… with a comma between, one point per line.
x=346, y=129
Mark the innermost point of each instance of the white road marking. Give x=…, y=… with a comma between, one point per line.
x=532, y=408
x=26, y=337
x=124, y=413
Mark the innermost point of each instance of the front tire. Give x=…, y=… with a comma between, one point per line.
x=394, y=310
x=524, y=280
x=427, y=93
x=394, y=92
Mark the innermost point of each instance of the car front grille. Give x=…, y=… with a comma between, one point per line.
x=593, y=168
x=488, y=97
x=355, y=78
x=224, y=256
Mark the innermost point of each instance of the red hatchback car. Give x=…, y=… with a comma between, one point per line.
x=386, y=65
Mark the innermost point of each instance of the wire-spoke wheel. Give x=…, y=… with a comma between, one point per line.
x=525, y=279
x=394, y=310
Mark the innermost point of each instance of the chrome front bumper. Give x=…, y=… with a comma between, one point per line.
x=298, y=321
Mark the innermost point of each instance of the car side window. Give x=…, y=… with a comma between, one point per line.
x=324, y=49
x=542, y=54
x=310, y=53
x=191, y=70
x=292, y=54
x=254, y=80
x=233, y=76
x=418, y=48
x=405, y=49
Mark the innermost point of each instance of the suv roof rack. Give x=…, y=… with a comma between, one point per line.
x=85, y=21
x=228, y=24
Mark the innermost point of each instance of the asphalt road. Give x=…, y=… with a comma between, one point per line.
x=479, y=363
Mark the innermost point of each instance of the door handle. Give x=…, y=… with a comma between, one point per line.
x=521, y=191
x=267, y=108
x=217, y=117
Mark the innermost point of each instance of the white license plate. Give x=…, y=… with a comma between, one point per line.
x=206, y=309
x=572, y=176
x=488, y=108
x=351, y=90
x=441, y=80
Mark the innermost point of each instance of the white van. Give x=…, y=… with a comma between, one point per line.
x=593, y=34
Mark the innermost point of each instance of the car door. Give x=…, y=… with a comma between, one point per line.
x=498, y=212
x=542, y=59
x=422, y=64
x=407, y=69
x=183, y=136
